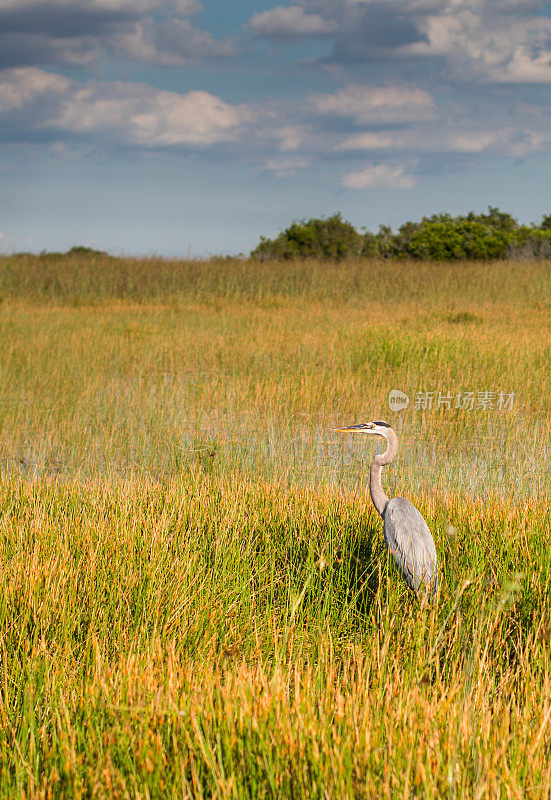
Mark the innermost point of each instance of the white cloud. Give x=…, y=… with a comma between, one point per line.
x=23, y=85
x=153, y=118
x=290, y=22
x=366, y=104
x=287, y=166
x=525, y=67
x=290, y=136
x=78, y=31
x=505, y=41
x=500, y=41
x=134, y=6
x=501, y=48
x=472, y=141
x=380, y=176
x=423, y=140
x=368, y=141
x=186, y=6
x=132, y=113
x=175, y=42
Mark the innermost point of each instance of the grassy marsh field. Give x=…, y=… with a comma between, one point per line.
x=196, y=599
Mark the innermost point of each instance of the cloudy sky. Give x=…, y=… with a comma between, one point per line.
x=188, y=127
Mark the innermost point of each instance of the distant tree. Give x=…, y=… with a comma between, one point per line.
x=79, y=250
x=371, y=246
x=441, y=237
x=330, y=237
x=437, y=240
x=444, y=238
x=495, y=219
x=454, y=238
x=406, y=233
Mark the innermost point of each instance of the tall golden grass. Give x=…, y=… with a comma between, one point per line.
x=196, y=600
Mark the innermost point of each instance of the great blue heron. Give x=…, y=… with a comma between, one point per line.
x=406, y=533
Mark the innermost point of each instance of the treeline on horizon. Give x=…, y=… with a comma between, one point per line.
x=441, y=237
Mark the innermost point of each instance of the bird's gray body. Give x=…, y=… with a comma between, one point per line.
x=410, y=544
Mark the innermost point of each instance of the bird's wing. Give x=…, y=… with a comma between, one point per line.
x=410, y=543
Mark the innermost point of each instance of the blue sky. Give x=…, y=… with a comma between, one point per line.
x=185, y=127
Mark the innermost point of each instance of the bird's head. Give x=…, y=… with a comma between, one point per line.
x=377, y=427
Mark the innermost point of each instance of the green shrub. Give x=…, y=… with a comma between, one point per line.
x=529, y=243
x=444, y=238
x=441, y=237
x=331, y=237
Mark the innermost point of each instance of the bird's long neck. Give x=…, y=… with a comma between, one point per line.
x=381, y=459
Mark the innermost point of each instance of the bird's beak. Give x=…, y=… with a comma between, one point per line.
x=352, y=429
